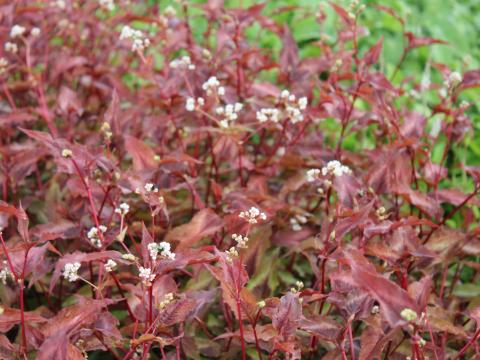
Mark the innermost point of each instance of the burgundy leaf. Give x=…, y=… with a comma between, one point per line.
x=204, y=223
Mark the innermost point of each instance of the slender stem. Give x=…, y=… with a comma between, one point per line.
x=117, y=282
x=150, y=308
x=239, y=310
x=88, y=282
x=350, y=337
x=22, y=316
x=465, y=348
x=432, y=338
x=453, y=212
x=257, y=344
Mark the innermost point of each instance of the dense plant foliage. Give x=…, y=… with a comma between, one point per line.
x=171, y=192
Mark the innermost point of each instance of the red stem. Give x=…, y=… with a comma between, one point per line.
x=150, y=308
x=350, y=337
x=465, y=348
x=239, y=310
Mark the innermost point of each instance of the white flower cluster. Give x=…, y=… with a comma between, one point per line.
x=241, y=241
x=294, y=107
x=110, y=265
x=140, y=41
x=129, y=257
x=170, y=11
x=408, y=314
x=252, y=215
x=192, y=103
x=297, y=221
x=182, y=63
x=212, y=85
x=231, y=254
x=336, y=169
x=167, y=299
x=10, y=47
x=70, y=271
x=17, y=31
x=453, y=79
x=268, y=114
x=148, y=187
x=61, y=4
x=164, y=248
x=313, y=174
x=66, y=153
x=5, y=273
x=107, y=4
x=229, y=113
x=299, y=286
x=94, y=235
x=146, y=275
x=122, y=209
x=35, y=31
x=106, y=131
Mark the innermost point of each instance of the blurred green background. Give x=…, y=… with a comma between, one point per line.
x=457, y=22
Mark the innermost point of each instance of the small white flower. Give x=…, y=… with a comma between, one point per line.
x=229, y=113
x=269, y=114
x=123, y=209
x=94, y=235
x=231, y=254
x=11, y=47
x=153, y=251
x=3, y=64
x=149, y=187
x=110, y=265
x=107, y=4
x=35, y=31
x=312, y=174
x=212, y=85
x=139, y=40
x=241, y=241
x=70, y=271
x=170, y=11
x=129, y=257
x=5, y=273
x=146, y=275
x=294, y=114
x=302, y=103
x=453, y=79
x=66, y=153
x=60, y=4
x=182, y=63
x=190, y=104
x=167, y=299
x=16, y=31
x=296, y=222
x=293, y=108
x=408, y=314
x=252, y=215
x=295, y=225
x=164, y=248
x=335, y=168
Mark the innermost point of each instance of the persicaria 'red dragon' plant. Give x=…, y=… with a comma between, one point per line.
x=172, y=193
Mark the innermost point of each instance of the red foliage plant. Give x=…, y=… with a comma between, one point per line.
x=181, y=195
